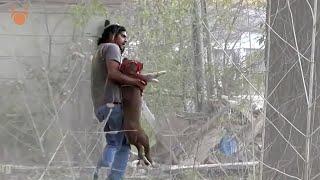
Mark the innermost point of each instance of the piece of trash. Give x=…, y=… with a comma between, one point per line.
x=228, y=145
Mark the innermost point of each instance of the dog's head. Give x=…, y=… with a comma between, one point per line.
x=131, y=67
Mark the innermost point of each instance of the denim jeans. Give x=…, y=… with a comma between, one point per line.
x=116, y=152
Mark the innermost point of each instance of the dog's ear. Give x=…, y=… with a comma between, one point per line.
x=132, y=68
x=125, y=59
x=139, y=66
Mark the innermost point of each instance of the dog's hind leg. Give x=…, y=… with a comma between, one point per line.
x=140, y=152
x=146, y=146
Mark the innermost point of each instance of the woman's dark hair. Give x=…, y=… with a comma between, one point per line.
x=110, y=30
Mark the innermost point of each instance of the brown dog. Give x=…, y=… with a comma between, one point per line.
x=132, y=101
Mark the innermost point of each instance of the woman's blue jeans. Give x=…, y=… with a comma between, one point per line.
x=116, y=152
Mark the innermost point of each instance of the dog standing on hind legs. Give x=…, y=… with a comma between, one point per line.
x=132, y=102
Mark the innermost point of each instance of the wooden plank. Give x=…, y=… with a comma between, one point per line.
x=106, y=2
x=165, y=168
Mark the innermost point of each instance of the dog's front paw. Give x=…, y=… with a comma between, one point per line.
x=152, y=76
x=159, y=73
x=154, y=80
